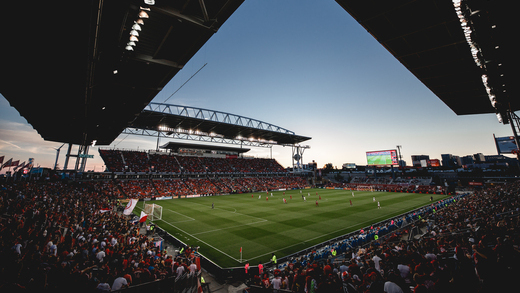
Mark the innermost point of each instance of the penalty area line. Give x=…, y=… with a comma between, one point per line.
x=215, y=230
x=207, y=244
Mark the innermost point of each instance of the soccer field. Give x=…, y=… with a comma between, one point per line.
x=262, y=227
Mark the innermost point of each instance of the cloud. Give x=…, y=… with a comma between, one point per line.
x=6, y=142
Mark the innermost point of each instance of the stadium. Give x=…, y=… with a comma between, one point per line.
x=199, y=213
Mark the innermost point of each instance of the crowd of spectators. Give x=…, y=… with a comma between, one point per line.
x=470, y=243
x=62, y=237
x=179, y=187
x=397, y=185
x=139, y=161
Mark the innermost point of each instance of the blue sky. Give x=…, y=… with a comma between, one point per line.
x=307, y=66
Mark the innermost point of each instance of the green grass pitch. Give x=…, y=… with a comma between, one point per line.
x=379, y=160
x=262, y=227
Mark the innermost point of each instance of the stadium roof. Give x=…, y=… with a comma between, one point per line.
x=179, y=145
x=66, y=69
x=426, y=36
x=218, y=126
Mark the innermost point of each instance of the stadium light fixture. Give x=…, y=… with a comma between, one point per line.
x=149, y=2
x=499, y=117
x=134, y=39
x=134, y=33
x=136, y=27
x=139, y=21
x=129, y=48
x=143, y=14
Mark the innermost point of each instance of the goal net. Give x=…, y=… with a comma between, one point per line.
x=154, y=211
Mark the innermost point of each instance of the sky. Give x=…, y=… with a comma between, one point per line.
x=306, y=66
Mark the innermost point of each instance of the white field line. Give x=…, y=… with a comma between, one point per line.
x=235, y=212
x=189, y=218
x=310, y=239
x=264, y=220
x=215, y=230
x=209, y=245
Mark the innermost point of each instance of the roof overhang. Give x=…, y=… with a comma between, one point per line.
x=427, y=38
x=67, y=70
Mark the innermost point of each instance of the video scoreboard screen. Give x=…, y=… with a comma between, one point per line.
x=382, y=158
x=505, y=145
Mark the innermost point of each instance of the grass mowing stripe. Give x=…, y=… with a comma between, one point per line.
x=263, y=226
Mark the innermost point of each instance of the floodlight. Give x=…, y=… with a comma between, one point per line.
x=149, y=2
x=134, y=39
x=499, y=117
x=129, y=48
x=134, y=33
x=143, y=14
x=136, y=27
x=131, y=43
x=139, y=21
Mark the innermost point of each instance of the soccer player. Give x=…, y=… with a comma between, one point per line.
x=378, y=205
x=373, y=199
x=267, y=198
x=320, y=197
x=284, y=200
x=316, y=203
x=352, y=193
x=304, y=199
x=259, y=196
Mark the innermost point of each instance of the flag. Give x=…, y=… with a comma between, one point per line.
x=159, y=244
x=104, y=210
x=7, y=164
x=241, y=249
x=130, y=206
x=1, y=159
x=14, y=164
x=20, y=166
x=143, y=217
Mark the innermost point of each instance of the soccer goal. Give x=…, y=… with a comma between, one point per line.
x=154, y=211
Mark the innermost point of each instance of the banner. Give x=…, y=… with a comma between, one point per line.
x=130, y=206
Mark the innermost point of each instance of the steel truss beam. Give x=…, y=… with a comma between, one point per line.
x=196, y=137
x=215, y=116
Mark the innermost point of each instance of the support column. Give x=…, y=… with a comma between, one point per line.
x=67, y=156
